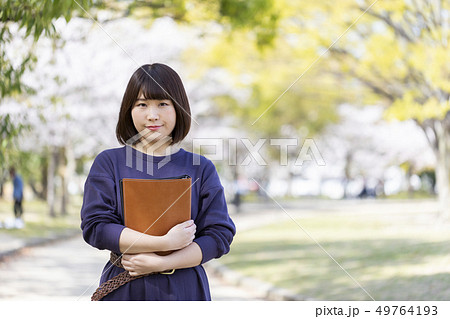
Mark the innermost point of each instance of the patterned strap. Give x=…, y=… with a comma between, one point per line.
x=115, y=259
x=115, y=282
x=121, y=279
x=112, y=284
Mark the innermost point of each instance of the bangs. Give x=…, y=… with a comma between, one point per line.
x=153, y=88
x=154, y=82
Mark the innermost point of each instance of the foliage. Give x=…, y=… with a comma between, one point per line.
x=260, y=16
x=275, y=92
x=397, y=49
x=35, y=18
x=8, y=132
x=49, y=89
x=393, y=53
x=22, y=23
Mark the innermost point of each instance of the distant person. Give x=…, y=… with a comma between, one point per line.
x=237, y=200
x=18, y=197
x=364, y=192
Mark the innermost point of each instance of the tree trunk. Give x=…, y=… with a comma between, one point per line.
x=409, y=174
x=347, y=172
x=63, y=175
x=44, y=176
x=3, y=178
x=51, y=171
x=290, y=183
x=34, y=188
x=442, y=129
x=67, y=171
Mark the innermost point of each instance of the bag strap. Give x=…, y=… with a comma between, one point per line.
x=115, y=282
x=121, y=279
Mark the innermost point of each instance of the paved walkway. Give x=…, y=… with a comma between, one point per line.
x=69, y=270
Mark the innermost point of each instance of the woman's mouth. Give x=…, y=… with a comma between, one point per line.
x=153, y=127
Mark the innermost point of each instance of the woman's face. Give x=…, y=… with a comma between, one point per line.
x=158, y=116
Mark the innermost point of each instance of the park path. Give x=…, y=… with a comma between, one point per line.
x=69, y=270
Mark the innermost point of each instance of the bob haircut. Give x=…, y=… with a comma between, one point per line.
x=156, y=82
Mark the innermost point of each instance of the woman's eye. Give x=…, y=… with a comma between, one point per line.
x=163, y=104
x=141, y=105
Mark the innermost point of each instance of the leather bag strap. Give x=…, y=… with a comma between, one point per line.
x=115, y=282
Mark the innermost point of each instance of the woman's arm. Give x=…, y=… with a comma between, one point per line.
x=190, y=256
x=145, y=263
x=178, y=237
x=133, y=242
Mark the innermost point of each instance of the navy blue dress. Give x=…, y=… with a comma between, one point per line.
x=102, y=218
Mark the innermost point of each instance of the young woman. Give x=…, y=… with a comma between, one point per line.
x=154, y=117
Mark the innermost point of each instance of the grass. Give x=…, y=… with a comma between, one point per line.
x=252, y=197
x=38, y=223
x=402, y=256
x=421, y=194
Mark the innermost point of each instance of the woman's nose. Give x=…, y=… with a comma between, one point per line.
x=152, y=114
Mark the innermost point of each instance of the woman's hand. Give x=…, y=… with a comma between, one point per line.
x=143, y=263
x=180, y=235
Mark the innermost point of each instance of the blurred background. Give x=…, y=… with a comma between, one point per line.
x=357, y=92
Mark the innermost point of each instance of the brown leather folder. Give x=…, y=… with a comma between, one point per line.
x=154, y=206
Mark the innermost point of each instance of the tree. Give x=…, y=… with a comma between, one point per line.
x=399, y=51
x=256, y=103
x=389, y=52
x=27, y=20
x=8, y=131
x=22, y=24
x=25, y=24
x=364, y=145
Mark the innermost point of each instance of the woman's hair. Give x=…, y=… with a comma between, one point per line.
x=156, y=82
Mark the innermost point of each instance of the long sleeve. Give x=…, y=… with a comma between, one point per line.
x=100, y=220
x=18, y=187
x=215, y=229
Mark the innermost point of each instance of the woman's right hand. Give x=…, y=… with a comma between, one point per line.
x=180, y=236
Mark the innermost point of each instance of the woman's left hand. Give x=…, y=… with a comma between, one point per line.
x=142, y=263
